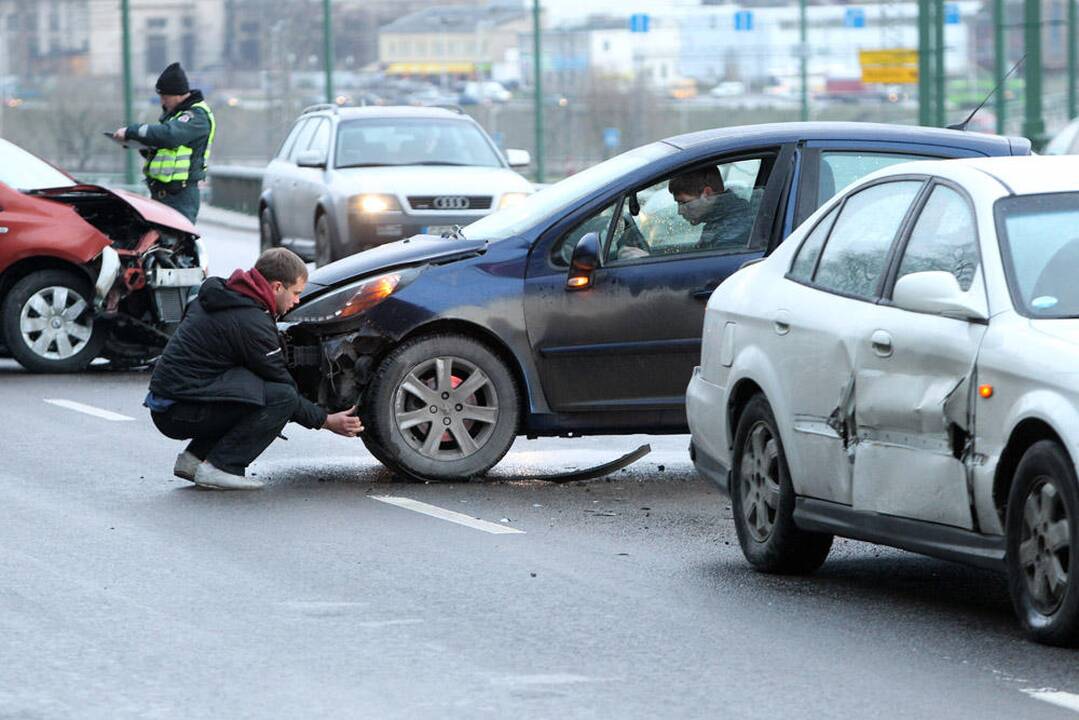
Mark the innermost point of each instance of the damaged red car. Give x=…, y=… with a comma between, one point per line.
x=86, y=271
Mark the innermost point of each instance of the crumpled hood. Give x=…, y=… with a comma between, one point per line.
x=410, y=251
x=149, y=210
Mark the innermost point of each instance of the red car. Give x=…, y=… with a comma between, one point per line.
x=86, y=271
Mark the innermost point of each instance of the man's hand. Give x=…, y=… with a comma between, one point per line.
x=120, y=134
x=344, y=423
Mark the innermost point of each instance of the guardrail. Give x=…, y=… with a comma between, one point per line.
x=236, y=188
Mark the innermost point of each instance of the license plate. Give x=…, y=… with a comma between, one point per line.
x=437, y=229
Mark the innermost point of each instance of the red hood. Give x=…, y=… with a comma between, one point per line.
x=252, y=284
x=149, y=210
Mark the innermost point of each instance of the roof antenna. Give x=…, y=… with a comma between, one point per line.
x=963, y=125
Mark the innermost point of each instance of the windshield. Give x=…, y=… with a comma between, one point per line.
x=413, y=141
x=1039, y=238
x=23, y=171
x=542, y=205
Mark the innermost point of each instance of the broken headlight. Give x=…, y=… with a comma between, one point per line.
x=351, y=300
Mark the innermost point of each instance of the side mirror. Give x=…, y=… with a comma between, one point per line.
x=584, y=262
x=311, y=159
x=518, y=158
x=938, y=292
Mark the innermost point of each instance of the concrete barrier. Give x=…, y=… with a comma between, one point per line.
x=236, y=188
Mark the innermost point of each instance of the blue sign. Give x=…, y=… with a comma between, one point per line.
x=639, y=22
x=743, y=20
x=854, y=17
x=612, y=137
x=951, y=13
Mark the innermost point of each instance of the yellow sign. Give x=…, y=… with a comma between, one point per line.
x=430, y=68
x=892, y=75
x=900, y=56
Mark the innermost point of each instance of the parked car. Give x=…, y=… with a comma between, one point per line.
x=578, y=311
x=1065, y=141
x=349, y=179
x=87, y=271
x=484, y=91
x=903, y=372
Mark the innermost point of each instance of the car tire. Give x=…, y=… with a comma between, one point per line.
x=48, y=322
x=268, y=235
x=762, y=499
x=475, y=401
x=1042, y=525
x=324, y=254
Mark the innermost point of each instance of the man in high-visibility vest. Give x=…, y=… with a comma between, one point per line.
x=177, y=147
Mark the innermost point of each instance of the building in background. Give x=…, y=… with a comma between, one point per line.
x=44, y=38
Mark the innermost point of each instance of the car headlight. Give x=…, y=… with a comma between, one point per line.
x=510, y=199
x=352, y=299
x=375, y=203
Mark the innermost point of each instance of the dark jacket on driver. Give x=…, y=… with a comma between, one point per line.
x=225, y=350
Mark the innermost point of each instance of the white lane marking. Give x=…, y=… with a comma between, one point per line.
x=88, y=409
x=1066, y=700
x=449, y=515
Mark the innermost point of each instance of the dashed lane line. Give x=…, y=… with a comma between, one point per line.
x=88, y=410
x=1066, y=700
x=448, y=515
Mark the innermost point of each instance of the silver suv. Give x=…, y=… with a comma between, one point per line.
x=347, y=179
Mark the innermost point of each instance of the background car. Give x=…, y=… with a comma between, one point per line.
x=903, y=372
x=87, y=271
x=349, y=179
x=578, y=311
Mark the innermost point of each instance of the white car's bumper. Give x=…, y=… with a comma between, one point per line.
x=707, y=415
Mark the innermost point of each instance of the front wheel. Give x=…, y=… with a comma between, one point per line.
x=442, y=407
x=268, y=237
x=324, y=254
x=1042, y=525
x=49, y=324
x=762, y=499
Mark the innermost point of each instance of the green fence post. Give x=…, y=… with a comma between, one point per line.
x=537, y=73
x=999, y=64
x=1033, y=123
x=327, y=46
x=129, y=112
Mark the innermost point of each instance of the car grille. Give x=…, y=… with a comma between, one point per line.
x=449, y=203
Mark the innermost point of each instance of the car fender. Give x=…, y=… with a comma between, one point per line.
x=41, y=228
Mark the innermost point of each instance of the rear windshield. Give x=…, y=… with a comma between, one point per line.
x=1039, y=239
x=23, y=171
x=413, y=141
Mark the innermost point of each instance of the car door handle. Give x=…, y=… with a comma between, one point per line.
x=882, y=343
x=703, y=293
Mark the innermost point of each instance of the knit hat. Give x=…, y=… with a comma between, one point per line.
x=173, y=81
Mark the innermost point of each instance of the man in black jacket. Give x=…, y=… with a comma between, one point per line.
x=222, y=381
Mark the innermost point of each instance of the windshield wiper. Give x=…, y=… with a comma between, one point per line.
x=368, y=164
x=456, y=233
x=439, y=162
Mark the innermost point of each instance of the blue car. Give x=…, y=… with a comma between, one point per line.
x=580, y=310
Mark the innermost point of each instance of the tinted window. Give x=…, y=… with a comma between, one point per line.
x=303, y=139
x=286, y=147
x=839, y=169
x=562, y=251
x=806, y=259
x=413, y=141
x=944, y=238
x=855, y=256
x=1039, y=238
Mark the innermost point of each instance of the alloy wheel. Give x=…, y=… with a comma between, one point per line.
x=56, y=322
x=758, y=476
x=446, y=408
x=1045, y=546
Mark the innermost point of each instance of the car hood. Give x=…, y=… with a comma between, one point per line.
x=410, y=251
x=434, y=180
x=149, y=210
x=1065, y=329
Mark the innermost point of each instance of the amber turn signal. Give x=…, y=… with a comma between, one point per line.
x=986, y=391
x=578, y=282
x=370, y=294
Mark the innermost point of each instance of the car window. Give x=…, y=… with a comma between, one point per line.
x=413, y=141
x=855, y=256
x=320, y=141
x=562, y=251
x=944, y=238
x=303, y=139
x=806, y=259
x=1039, y=238
x=707, y=209
x=290, y=140
x=840, y=168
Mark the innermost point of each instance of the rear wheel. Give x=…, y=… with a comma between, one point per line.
x=1042, y=529
x=268, y=235
x=48, y=322
x=762, y=499
x=441, y=407
x=324, y=254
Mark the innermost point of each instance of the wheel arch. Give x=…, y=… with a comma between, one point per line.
x=1025, y=434
x=742, y=392
x=20, y=269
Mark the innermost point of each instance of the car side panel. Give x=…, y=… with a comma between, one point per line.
x=42, y=227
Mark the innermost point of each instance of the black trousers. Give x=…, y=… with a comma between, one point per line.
x=185, y=201
x=229, y=435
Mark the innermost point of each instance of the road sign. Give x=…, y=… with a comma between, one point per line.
x=612, y=137
x=854, y=17
x=892, y=66
x=743, y=20
x=899, y=75
x=951, y=13
x=898, y=56
x=639, y=22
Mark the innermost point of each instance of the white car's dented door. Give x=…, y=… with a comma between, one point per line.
x=914, y=384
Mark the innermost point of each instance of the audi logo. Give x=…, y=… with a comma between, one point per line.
x=452, y=202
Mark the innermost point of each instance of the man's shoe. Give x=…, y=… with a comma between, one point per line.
x=185, y=467
x=210, y=477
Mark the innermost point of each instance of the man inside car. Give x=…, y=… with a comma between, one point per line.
x=702, y=198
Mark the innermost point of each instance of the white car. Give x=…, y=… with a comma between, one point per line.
x=904, y=369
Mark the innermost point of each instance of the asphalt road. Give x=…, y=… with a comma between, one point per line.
x=130, y=594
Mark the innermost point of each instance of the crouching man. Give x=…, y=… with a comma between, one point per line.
x=222, y=381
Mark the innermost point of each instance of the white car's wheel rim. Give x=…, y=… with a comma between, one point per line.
x=758, y=476
x=1045, y=546
x=56, y=323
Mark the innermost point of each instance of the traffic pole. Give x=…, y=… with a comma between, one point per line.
x=925, y=63
x=999, y=64
x=327, y=47
x=537, y=74
x=1073, y=62
x=804, y=52
x=1033, y=123
x=129, y=111
x=938, y=62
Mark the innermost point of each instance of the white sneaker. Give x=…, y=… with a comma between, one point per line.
x=210, y=477
x=185, y=467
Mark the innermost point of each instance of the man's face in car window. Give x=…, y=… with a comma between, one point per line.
x=695, y=208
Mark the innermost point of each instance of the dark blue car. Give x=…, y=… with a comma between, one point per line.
x=580, y=310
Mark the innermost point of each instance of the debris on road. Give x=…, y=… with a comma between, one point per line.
x=599, y=470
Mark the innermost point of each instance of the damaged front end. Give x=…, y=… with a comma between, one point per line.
x=333, y=370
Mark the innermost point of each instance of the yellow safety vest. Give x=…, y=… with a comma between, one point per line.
x=174, y=164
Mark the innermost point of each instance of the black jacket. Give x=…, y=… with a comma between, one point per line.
x=224, y=350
